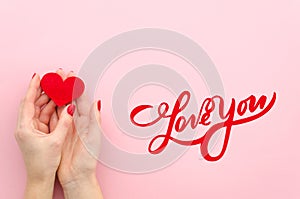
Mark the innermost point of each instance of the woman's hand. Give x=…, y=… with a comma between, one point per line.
x=77, y=169
x=40, y=136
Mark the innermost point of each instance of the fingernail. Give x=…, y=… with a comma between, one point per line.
x=99, y=105
x=71, y=109
x=33, y=75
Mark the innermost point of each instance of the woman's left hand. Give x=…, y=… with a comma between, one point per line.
x=40, y=136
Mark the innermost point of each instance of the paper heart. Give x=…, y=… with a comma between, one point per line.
x=62, y=92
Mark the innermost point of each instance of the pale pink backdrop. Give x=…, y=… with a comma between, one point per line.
x=255, y=46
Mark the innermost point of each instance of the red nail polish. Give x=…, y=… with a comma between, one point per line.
x=33, y=75
x=99, y=105
x=71, y=109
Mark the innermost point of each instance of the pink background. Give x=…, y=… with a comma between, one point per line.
x=255, y=46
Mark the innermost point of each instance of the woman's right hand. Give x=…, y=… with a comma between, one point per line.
x=77, y=169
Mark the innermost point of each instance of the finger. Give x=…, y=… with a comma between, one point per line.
x=47, y=112
x=42, y=100
x=94, y=114
x=71, y=74
x=95, y=130
x=83, y=105
x=43, y=128
x=33, y=89
x=60, y=110
x=27, y=108
x=39, y=103
x=61, y=73
x=39, y=92
x=53, y=121
x=64, y=123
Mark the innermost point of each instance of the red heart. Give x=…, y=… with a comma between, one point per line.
x=62, y=92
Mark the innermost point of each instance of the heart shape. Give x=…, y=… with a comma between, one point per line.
x=62, y=92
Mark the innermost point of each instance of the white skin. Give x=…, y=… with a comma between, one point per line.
x=50, y=145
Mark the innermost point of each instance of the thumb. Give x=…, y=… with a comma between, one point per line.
x=65, y=122
x=93, y=139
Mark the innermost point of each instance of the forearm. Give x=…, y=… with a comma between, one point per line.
x=83, y=188
x=36, y=189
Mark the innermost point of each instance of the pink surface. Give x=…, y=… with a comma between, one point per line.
x=255, y=46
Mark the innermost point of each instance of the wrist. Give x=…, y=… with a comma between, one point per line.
x=79, y=180
x=41, y=177
x=39, y=188
x=82, y=187
x=42, y=182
